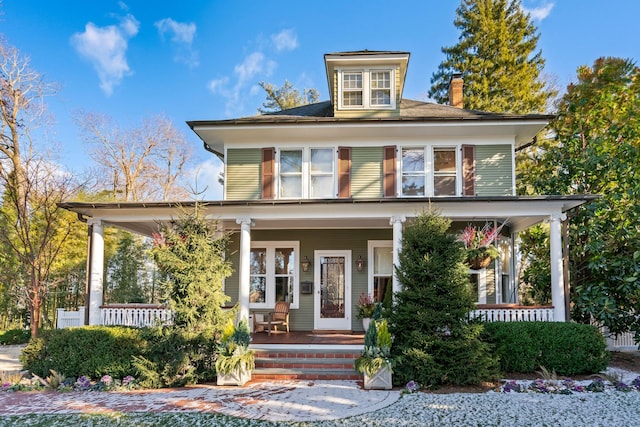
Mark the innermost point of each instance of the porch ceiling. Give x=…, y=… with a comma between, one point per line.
x=518, y=212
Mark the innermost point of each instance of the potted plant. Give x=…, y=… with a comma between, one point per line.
x=479, y=245
x=235, y=361
x=374, y=362
x=366, y=307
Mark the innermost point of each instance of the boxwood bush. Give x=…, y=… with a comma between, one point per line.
x=158, y=357
x=15, y=336
x=566, y=348
x=92, y=350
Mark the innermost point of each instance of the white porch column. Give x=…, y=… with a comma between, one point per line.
x=557, y=276
x=244, y=267
x=97, y=271
x=396, y=222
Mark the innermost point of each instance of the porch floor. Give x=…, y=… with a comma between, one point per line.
x=308, y=337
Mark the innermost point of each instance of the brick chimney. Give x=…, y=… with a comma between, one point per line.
x=455, y=91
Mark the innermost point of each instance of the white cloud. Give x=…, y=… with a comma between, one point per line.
x=218, y=85
x=285, y=40
x=252, y=65
x=204, y=179
x=105, y=48
x=255, y=67
x=181, y=37
x=539, y=13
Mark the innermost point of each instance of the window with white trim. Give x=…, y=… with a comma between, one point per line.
x=430, y=171
x=273, y=274
x=307, y=173
x=380, y=253
x=366, y=88
x=445, y=172
x=413, y=172
x=352, y=89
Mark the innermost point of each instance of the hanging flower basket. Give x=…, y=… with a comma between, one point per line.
x=479, y=262
x=479, y=244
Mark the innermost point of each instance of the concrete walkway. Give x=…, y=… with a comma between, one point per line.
x=9, y=357
x=271, y=401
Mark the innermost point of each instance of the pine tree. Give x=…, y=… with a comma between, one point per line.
x=191, y=252
x=433, y=340
x=498, y=57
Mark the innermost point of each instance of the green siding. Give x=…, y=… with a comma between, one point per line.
x=242, y=178
x=494, y=175
x=310, y=240
x=366, y=172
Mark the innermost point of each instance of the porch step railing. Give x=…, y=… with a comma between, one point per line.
x=136, y=315
x=305, y=364
x=512, y=313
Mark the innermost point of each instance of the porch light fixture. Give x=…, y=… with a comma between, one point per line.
x=305, y=264
x=359, y=263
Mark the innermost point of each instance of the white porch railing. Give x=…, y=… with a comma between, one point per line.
x=137, y=315
x=511, y=313
x=622, y=342
x=68, y=319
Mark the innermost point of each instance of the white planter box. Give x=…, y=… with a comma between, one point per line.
x=239, y=378
x=381, y=380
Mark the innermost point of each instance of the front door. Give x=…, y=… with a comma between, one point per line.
x=332, y=278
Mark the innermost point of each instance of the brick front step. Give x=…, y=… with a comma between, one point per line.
x=303, y=364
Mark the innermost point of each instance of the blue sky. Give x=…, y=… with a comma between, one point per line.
x=202, y=60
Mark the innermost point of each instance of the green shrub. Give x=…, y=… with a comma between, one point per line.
x=93, y=351
x=566, y=348
x=175, y=357
x=15, y=336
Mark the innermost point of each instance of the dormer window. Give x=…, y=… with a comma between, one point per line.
x=366, y=89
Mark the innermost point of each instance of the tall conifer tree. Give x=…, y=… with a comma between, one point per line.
x=498, y=57
x=433, y=341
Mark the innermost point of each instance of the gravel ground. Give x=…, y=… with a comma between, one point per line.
x=419, y=409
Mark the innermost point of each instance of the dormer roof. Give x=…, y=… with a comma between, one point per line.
x=369, y=58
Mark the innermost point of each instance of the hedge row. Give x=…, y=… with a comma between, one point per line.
x=166, y=357
x=566, y=348
x=158, y=357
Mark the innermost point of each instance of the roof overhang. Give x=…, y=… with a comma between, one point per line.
x=216, y=135
x=518, y=212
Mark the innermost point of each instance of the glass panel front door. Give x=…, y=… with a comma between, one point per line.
x=333, y=290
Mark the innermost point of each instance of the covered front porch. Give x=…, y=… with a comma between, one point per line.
x=343, y=230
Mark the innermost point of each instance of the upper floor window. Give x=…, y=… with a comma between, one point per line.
x=352, y=89
x=445, y=172
x=413, y=172
x=428, y=171
x=381, y=88
x=307, y=173
x=366, y=89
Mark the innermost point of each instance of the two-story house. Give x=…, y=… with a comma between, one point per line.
x=317, y=196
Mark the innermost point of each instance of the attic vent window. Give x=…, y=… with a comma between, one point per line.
x=366, y=89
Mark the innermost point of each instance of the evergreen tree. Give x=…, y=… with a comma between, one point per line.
x=596, y=150
x=125, y=279
x=498, y=57
x=433, y=341
x=191, y=252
